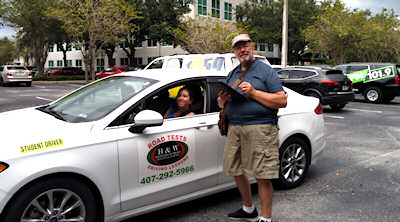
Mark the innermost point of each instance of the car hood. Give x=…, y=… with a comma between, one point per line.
x=30, y=131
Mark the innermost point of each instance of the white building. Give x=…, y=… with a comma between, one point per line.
x=224, y=9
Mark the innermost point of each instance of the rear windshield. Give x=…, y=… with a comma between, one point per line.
x=16, y=68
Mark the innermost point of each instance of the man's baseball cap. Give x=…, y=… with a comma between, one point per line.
x=241, y=38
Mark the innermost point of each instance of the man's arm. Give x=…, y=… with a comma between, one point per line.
x=271, y=100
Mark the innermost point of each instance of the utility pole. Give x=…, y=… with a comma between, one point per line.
x=284, y=34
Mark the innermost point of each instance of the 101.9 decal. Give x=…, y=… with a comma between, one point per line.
x=373, y=75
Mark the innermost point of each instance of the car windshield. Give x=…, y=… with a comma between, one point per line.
x=98, y=99
x=125, y=69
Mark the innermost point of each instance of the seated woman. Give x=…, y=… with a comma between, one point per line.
x=183, y=104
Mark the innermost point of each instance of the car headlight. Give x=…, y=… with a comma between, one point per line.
x=3, y=166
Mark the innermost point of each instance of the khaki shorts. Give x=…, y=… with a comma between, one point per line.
x=252, y=150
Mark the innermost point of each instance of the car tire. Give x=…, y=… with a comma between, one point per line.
x=314, y=94
x=52, y=195
x=373, y=94
x=337, y=107
x=28, y=84
x=294, y=158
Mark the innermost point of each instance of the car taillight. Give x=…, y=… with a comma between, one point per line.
x=9, y=74
x=30, y=73
x=396, y=80
x=319, y=109
x=329, y=82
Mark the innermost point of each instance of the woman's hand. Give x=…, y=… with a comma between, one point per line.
x=223, y=97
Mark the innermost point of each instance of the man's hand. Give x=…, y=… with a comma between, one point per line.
x=223, y=97
x=247, y=89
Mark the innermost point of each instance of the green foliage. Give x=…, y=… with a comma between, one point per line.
x=206, y=34
x=265, y=22
x=354, y=35
x=7, y=51
x=95, y=23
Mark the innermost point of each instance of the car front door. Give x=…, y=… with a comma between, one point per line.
x=164, y=162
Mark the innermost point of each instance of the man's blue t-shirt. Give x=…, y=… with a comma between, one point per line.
x=250, y=112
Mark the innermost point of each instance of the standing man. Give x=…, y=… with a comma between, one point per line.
x=252, y=143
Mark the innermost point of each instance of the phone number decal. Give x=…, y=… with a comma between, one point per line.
x=166, y=175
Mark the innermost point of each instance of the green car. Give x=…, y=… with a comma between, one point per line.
x=377, y=82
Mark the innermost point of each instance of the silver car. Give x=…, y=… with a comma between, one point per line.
x=13, y=73
x=105, y=153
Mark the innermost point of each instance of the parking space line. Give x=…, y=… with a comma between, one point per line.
x=335, y=117
x=43, y=98
x=364, y=110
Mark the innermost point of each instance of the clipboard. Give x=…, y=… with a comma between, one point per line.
x=226, y=88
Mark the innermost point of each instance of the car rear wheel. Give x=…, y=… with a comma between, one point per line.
x=294, y=156
x=56, y=199
x=373, y=94
x=337, y=107
x=387, y=99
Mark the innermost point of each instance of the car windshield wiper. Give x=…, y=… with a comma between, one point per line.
x=54, y=113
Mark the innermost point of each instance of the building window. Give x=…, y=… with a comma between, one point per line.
x=149, y=59
x=216, y=8
x=51, y=48
x=113, y=62
x=78, y=63
x=202, y=7
x=262, y=47
x=51, y=63
x=59, y=48
x=167, y=43
x=270, y=47
x=59, y=63
x=138, y=61
x=69, y=63
x=69, y=47
x=124, y=62
x=100, y=65
x=228, y=11
x=151, y=43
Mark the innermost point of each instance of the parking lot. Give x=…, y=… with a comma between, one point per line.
x=356, y=179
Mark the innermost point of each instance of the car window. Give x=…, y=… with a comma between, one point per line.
x=174, y=63
x=1, y=69
x=351, y=69
x=156, y=64
x=162, y=99
x=284, y=74
x=98, y=99
x=16, y=68
x=341, y=68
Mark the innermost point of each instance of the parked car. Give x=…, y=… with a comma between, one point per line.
x=377, y=82
x=105, y=153
x=329, y=85
x=15, y=74
x=65, y=71
x=48, y=70
x=112, y=71
x=224, y=62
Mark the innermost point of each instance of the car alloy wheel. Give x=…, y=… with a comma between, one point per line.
x=294, y=157
x=53, y=200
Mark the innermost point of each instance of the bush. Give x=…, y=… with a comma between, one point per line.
x=58, y=78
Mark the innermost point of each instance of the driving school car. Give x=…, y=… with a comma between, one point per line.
x=105, y=153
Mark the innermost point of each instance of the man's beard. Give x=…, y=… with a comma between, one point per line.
x=247, y=59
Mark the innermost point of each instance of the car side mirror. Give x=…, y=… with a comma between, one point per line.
x=146, y=118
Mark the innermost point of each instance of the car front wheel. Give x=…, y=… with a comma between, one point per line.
x=373, y=94
x=294, y=156
x=56, y=199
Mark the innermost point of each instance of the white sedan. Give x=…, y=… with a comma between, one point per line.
x=104, y=151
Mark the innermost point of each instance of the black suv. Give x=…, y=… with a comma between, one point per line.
x=378, y=82
x=329, y=85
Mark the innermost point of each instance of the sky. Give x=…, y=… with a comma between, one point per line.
x=374, y=5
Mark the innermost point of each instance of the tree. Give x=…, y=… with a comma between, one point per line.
x=265, y=22
x=35, y=29
x=93, y=23
x=206, y=34
x=156, y=19
x=7, y=51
